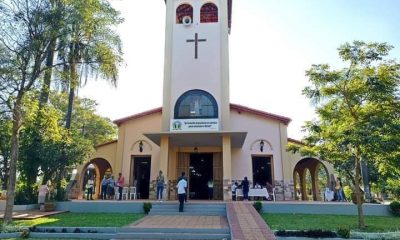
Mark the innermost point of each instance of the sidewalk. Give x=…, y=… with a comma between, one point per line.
x=190, y=222
x=246, y=223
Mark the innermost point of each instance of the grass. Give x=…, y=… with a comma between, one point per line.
x=330, y=222
x=82, y=220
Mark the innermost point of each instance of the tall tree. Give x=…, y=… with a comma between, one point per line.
x=5, y=148
x=24, y=27
x=91, y=47
x=358, y=111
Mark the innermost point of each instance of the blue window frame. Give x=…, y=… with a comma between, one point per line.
x=196, y=104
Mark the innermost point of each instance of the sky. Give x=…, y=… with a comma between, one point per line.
x=272, y=44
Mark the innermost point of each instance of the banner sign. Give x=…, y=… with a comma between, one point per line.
x=194, y=125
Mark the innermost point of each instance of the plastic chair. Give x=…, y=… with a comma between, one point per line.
x=125, y=193
x=272, y=194
x=116, y=193
x=132, y=192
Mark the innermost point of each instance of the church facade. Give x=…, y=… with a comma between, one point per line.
x=197, y=130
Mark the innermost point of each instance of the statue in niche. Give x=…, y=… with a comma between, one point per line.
x=195, y=109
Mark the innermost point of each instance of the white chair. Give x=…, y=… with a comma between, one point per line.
x=125, y=193
x=272, y=194
x=132, y=193
x=116, y=193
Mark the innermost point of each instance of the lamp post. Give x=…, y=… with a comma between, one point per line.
x=140, y=146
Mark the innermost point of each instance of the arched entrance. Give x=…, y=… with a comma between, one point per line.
x=95, y=168
x=310, y=178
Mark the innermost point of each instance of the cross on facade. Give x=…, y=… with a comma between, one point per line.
x=196, y=40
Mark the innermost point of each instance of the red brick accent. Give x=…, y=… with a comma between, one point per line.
x=252, y=226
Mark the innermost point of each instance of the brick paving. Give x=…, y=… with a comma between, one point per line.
x=30, y=214
x=246, y=223
x=175, y=221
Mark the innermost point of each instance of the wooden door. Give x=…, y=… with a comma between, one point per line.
x=218, y=176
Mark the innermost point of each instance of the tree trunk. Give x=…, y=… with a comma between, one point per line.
x=6, y=172
x=13, y=161
x=68, y=118
x=361, y=222
x=72, y=86
x=44, y=93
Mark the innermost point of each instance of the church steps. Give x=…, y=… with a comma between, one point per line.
x=174, y=235
x=132, y=233
x=196, y=209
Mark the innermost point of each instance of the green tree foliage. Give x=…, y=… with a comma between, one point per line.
x=44, y=140
x=358, y=110
x=5, y=149
x=91, y=46
x=82, y=34
x=25, y=36
x=91, y=126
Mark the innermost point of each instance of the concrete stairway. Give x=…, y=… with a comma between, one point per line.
x=190, y=209
x=198, y=221
x=173, y=233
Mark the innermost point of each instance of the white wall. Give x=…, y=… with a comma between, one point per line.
x=257, y=128
x=201, y=73
x=134, y=133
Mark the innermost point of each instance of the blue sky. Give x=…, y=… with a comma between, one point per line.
x=272, y=44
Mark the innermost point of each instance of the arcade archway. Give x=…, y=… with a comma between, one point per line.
x=96, y=169
x=310, y=178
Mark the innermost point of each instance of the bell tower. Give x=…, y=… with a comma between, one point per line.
x=196, y=70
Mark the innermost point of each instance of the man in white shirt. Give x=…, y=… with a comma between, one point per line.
x=89, y=186
x=182, y=185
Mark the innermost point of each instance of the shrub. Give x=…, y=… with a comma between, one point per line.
x=9, y=228
x=347, y=193
x=25, y=195
x=146, y=207
x=343, y=232
x=312, y=233
x=258, y=206
x=395, y=208
x=25, y=233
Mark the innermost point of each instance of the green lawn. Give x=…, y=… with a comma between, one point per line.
x=329, y=222
x=82, y=220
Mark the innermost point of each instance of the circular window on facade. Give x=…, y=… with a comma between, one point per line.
x=196, y=104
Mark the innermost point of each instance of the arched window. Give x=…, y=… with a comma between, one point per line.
x=183, y=11
x=196, y=104
x=209, y=13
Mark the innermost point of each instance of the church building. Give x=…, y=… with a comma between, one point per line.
x=198, y=130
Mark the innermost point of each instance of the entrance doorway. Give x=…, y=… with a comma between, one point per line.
x=141, y=176
x=262, y=170
x=96, y=169
x=200, y=172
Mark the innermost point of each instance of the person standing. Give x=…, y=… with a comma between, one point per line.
x=210, y=185
x=160, y=186
x=245, y=187
x=182, y=185
x=104, y=184
x=89, y=188
x=43, y=191
x=120, y=184
x=233, y=188
x=339, y=190
x=111, y=188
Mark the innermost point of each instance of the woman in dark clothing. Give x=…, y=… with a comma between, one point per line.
x=245, y=188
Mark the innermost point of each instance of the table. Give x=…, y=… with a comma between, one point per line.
x=254, y=192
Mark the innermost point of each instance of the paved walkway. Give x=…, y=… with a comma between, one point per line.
x=30, y=214
x=193, y=222
x=246, y=223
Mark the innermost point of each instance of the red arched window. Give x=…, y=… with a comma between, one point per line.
x=183, y=11
x=209, y=13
